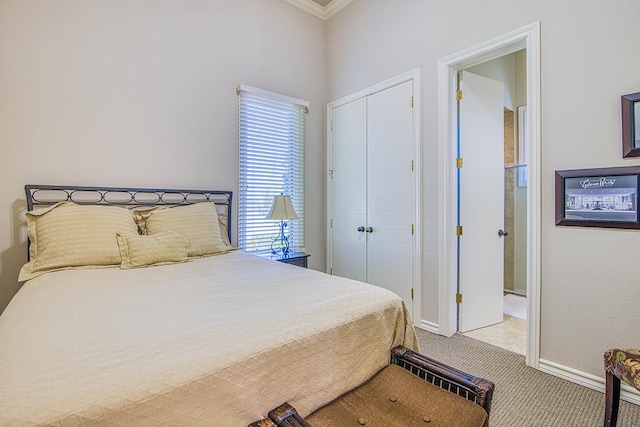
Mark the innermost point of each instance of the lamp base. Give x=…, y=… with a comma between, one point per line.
x=280, y=244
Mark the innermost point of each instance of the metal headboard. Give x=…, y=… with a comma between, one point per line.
x=130, y=198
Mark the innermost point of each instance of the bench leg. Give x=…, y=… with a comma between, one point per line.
x=612, y=400
x=286, y=415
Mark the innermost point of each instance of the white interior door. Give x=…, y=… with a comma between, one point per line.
x=391, y=190
x=481, y=262
x=349, y=183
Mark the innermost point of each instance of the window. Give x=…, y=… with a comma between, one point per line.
x=272, y=140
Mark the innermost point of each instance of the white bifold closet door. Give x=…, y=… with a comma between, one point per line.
x=373, y=190
x=349, y=183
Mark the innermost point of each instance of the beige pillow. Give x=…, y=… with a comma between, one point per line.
x=154, y=249
x=222, y=221
x=67, y=235
x=198, y=223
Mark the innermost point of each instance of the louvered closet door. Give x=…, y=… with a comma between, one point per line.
x=349, y=183
x=391, y=190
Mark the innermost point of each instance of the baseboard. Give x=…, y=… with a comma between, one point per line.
x=429, y=326
x=593, y=382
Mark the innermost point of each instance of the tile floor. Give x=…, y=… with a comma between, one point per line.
x=511, y=333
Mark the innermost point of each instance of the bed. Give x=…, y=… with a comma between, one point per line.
x=191, y=335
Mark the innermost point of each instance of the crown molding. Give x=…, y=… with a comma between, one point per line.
x=334, y=7
x=321, y=12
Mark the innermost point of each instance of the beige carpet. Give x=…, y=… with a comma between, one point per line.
x=524, y=397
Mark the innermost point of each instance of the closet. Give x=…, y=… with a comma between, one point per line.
x=372, y=188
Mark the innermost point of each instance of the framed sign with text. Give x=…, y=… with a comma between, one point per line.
x=605, y=197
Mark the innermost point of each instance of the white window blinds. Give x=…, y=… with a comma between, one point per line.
x=272, y=142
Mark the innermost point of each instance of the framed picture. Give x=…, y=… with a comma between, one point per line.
x=598, y=197
x=631, y=125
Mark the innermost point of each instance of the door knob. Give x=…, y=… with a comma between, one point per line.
x=361, y=228
x=369, y=229
x=503, y=233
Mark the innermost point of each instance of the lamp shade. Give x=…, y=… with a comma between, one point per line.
x=282, y=209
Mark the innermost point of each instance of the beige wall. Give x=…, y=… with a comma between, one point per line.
x=142, y=93
x=590, y=280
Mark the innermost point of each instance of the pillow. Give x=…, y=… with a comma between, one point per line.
x=67, y=235
x=222, y=221
x=153, y=249
x=198, y=223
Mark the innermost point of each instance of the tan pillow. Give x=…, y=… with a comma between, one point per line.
x=222, y=220
x=154, y=249
x=67, y=235
x=198, y=223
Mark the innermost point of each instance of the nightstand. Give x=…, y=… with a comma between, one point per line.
x=293, y=258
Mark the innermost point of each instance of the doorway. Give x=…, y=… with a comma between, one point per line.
x=480, y=193
x=525, y=38
x=492, y=207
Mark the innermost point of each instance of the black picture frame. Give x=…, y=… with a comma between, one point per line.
x=606, y=197
x=630, y=105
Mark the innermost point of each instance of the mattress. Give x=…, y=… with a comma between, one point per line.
x=218, y=341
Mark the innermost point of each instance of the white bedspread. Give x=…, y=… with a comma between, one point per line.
x=215, y=342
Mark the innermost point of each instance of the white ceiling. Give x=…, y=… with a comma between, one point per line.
x=321, y=8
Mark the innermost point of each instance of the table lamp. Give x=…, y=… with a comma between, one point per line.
x=281, y=210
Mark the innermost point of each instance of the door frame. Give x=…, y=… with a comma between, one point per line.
x=414, y=75
x=526, y=37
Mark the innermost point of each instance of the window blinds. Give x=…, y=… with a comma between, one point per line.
x=272, y=143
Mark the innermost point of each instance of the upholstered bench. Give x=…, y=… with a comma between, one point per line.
x=412, y=391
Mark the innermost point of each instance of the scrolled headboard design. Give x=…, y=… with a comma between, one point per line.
x=130, y=198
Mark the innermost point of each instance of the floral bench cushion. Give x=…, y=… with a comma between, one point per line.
x=624, y=363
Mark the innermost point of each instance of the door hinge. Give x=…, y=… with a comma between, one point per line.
x=412, y=165
x=331, y=124
x=413, y=228
x=411, y=293
x=458, y=95
x=331, y=173
x=331, y=222
x=458, y=230
x=412, y=101
x=458, y=298
x=331, y=271
x=459, y=162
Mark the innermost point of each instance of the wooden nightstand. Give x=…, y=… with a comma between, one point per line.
x=293, y=258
